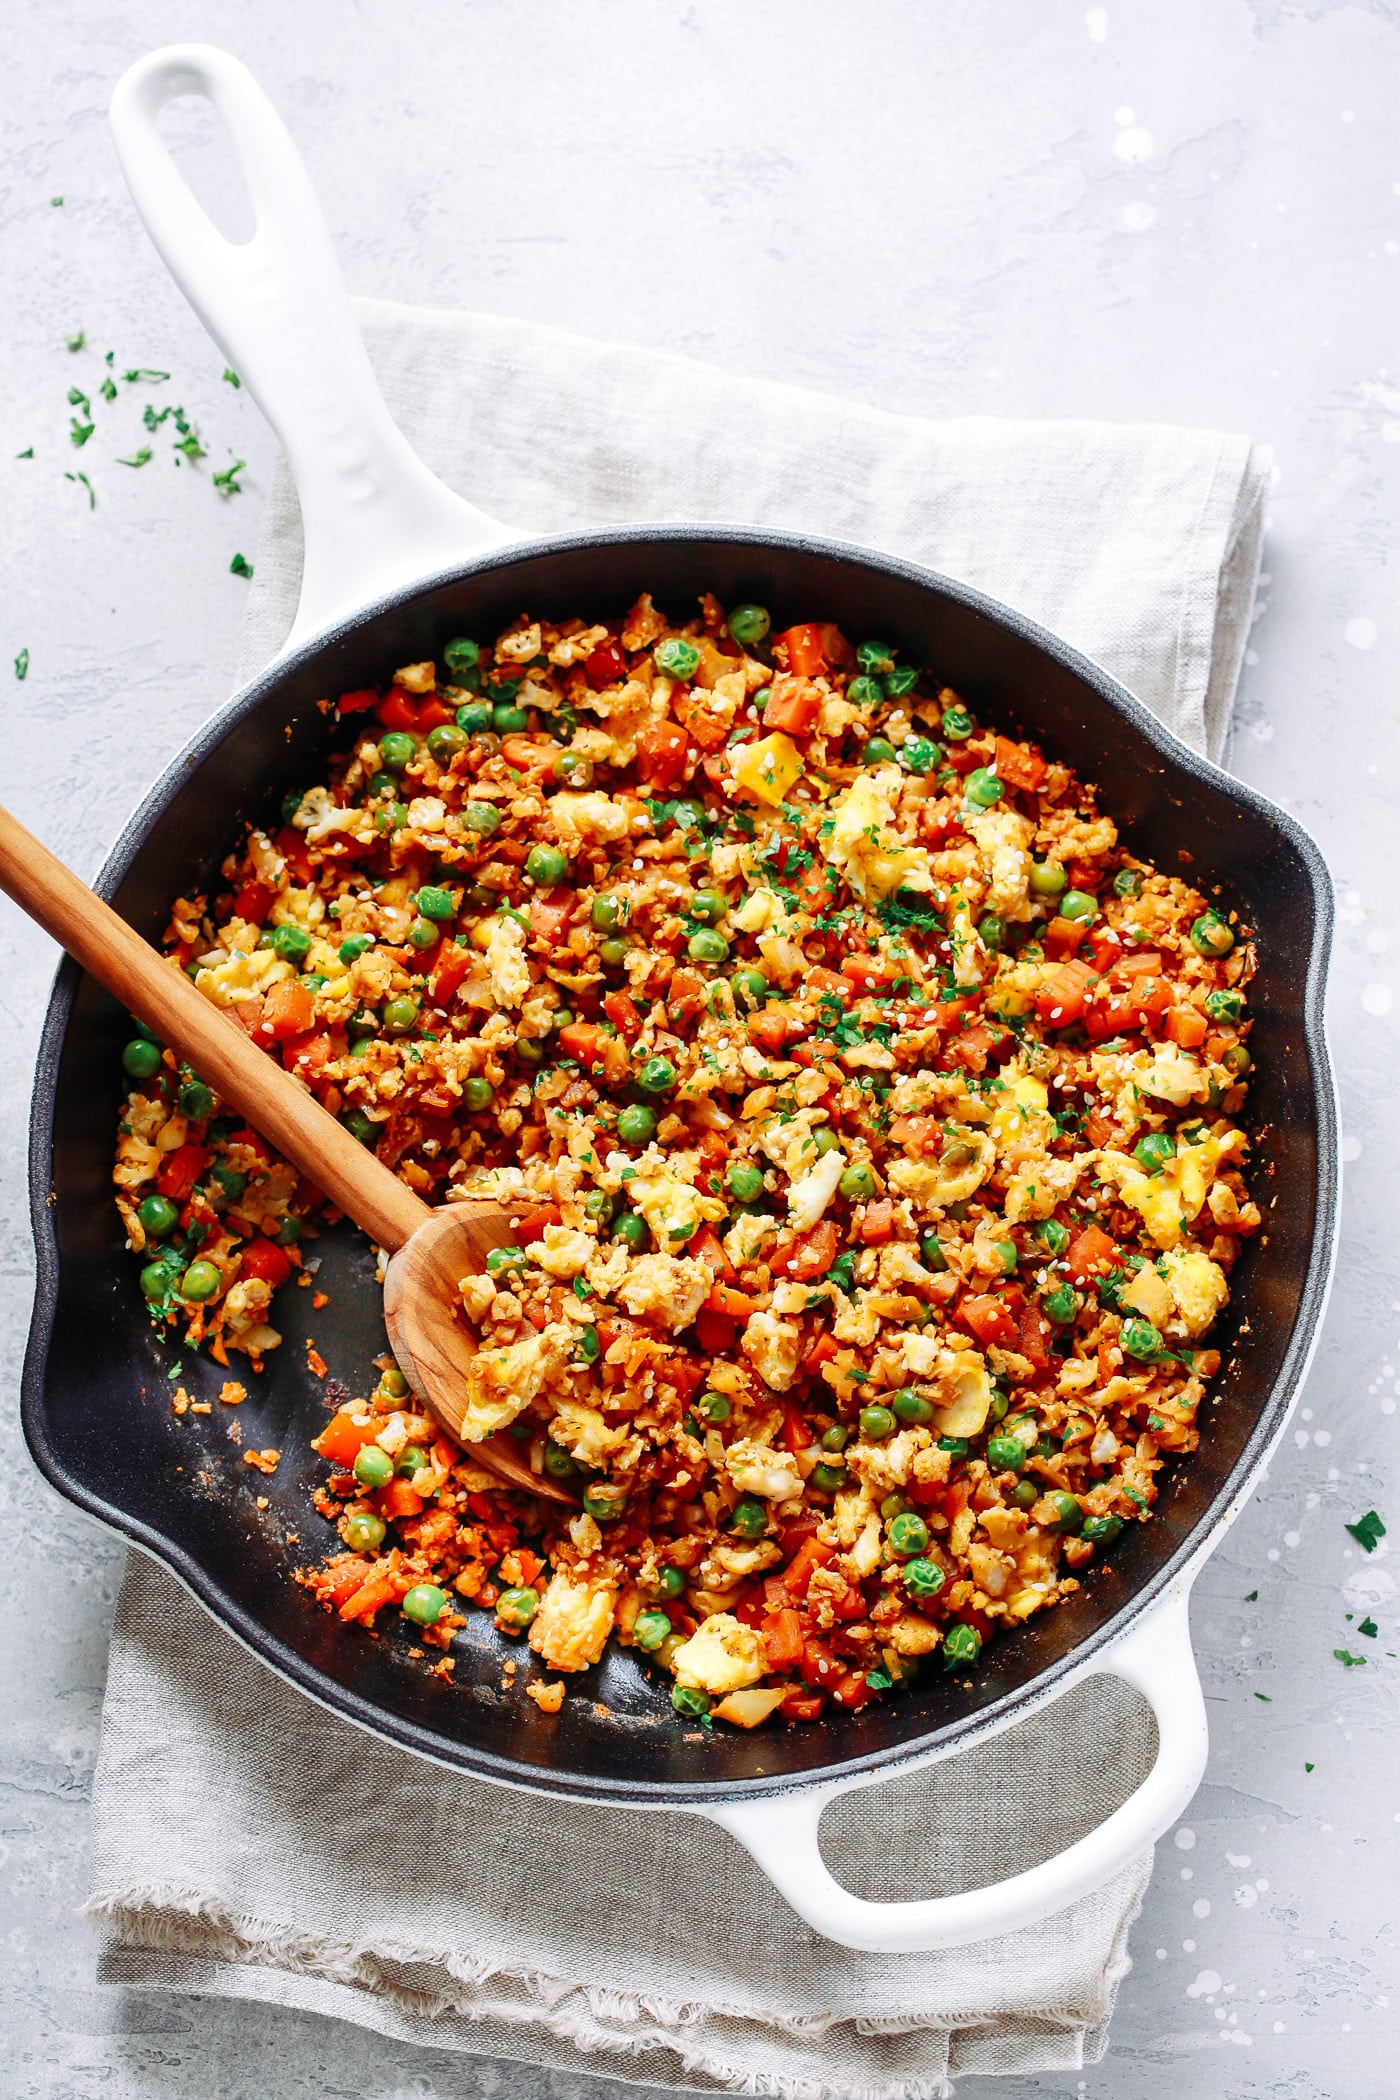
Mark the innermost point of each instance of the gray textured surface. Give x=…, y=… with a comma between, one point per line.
x=1187, y=214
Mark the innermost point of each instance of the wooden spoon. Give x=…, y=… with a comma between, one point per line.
x=430, y=1250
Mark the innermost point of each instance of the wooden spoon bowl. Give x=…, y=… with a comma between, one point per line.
x=430, y=1250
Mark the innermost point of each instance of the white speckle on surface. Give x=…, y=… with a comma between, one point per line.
x=1201, y=1907
x=1321, y=1437
x=1096, y=22
x=1185, y=1839
x=1262, y=731
x=1189, y=1946
x=1290, y=1538
x=1246, y=1897
x=1237, y=1859
x=1125, y=114
x=1188, y=1873
x=1351, y=1147
x=1361, y=633
x=1133, y=145
x=1377, y=999
x=1138, y=217
x=1205, y=1985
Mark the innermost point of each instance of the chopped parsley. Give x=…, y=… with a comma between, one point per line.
x=226, y=482
x=232, y=377
x=1369, y=1628
x=76, y=340
x=28, y=453
x=91, y=492
x=22, y=665
x=79, y=431
x=136, y=459
x=144, y=372
x=239, y=566
x=1368, y=1531
x=1347, y=1660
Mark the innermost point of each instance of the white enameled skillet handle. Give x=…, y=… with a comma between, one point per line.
x=374, y=518
x=782, y=1834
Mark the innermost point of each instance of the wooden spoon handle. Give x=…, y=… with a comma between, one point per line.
x=161, y=995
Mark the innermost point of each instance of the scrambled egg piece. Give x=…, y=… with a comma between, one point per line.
x=721, y=1655
x=1148, y=1294
x=563, y=1252
x=660, y=1283
x=1198, y=1289
x=1004, y=840
x=1168, y=1201
x=501, y=1383
x=585, y=1434
x=965, y=1393
x=862, y=844
x=772, y=1346
x=242, y=976
x=755, y=1469
x=505, y=961
x=967, y=1159
x=572, y=1625
x=673, y=1209
x=578, y=817
x=810, y=1194
x=768, y=769
x=1022, y=1109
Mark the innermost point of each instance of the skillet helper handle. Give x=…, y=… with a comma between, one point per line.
x=781, y=1834
x=159, y=994
x=374, y=517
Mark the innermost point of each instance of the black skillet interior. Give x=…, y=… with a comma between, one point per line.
x=97, y=1387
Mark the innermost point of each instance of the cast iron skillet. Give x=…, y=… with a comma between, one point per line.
x=97, y=1384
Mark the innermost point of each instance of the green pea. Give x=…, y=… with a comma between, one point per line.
x=411, y=1460
x=529, y=1051
x=423, y=934
x=604, y=1502
x=1211, y=935
x=200, y=1281
x=931, y=1253
x=671, y=1582
x=908, y=1535
x=751, y=986
x=1078, y=904
x=991, y=930
x=446, y=741
x=1153, y=1151
x=923, y=1578
x=745, y=1183
x=750, y=1517
x=957, y=724
x=391, y=818
x=590, y=1348
x=1060, y=1306
x=836, y=1438
x=879, y=751
x=825, y=1140
x=613, y=952
x=1025, y=1494
x=875, y=656
x=363, y=1531
x=865, y=692
x=1100, y=1531
x=919, y=754
x=424, y=1604
x=362, y=1128
x=502, y=1260
x=401, y=1015
x=557, y=1461
x=749, y=625
x=573, y=769
x=707, y=946
x=354, y=946
x=1068, y=1515
x=857, y=1181
x=876, y=1423
x=141, y=1059
x=961, y=1647
x=435, y=903
x=657, y=1076
x=157, y=1278
x=230, y=1181
x=1052, y=1236
x=827, y=1479
x=382, y=783
x=599, y=1206
x=478, y=1093
x=291, y=803
x=289, y=1231
x=676, y=658
x=547, y=866
x=516, y=1608
x=714, y=1407
x=1140, y=1340
x=605, y=914
x=999, y=1405
x=460, y=654
x=158, y=1217
x=1128, y=882
x=507, y=719
x=397, y=750
x=196, y=1100
x=982, y=787
x=894, y=1506
x=475, y=716
x=373, y=1468
x=690, y=1702
x=900, y=682
x=1224, y=1006
x=957, y=1447
x=761, y=698
x=1237, y=1059
x=649, y=1629
x=1005, y=1454
x=911, y=1407
x=1048, y=878
x=632, y=1228
x=708, y=905
x=1008, y=1254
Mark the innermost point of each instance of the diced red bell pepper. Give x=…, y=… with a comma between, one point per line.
x=819, y=1666
x=452, y=966
x=782, y=1639
x=550, y=913
x=809, y=1256
x=989, y=1318
x=358, y=703
x=605, y=666
x=1091, y=1253
x=621, y=1010
x=262, y=1259
x=803, y=648
x=292, y=846
x=1034, y=1339
x=794, y=705
x=531, y=1223
x=802, y=1706
x=813, y=1552
x=663, y=755
x=1019, y=766
x=182, y=1170
x=289, y=1009
x=797, y=1430
x=254, y=902
x=851, y=1691
x=685, y=998
x=877, y=1222
x=715, y=1332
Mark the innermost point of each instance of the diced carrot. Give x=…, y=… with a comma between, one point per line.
x=663, y=755
x=989, y=1318
x=809, y=1256
x=253, y=902
x=550, y=914
x=1143, y=962
x=769, y=1028
x=292, y=846
x=289, y=1009
x=1097, y=1128
x=621, y=1010
x=685, y=998
x=1091, y=1253
x=372, y=1595
x=734, y=1305
x=821, y=1352
x=824, y=980
x=851, y=1691
x=531, y=1223
x=802, y=1706
x=706, y=1247
x=265, y=1261
x=342, y=1437
x=1033, y=1341
x=802, y=649
x=715, y=1332
x=814, y=1552
x=1062, y=937
x=868, y=970
x=397, y=709
x=452, y=966
x=972, y=1047
x=399, y=1500
x=581, y=1040
x=1019, y=766
x=358, y=703
x=877, y=1222
x=529, y=755
x=182, y=1170
x=1185, y=1026
x=793, y=705
x=797, y=1430
x=918, y=1133
x=819, y=1665
x=1060, y=997
x=782, y=1639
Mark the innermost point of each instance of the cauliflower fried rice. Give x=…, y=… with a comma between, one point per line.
x=870, y=1112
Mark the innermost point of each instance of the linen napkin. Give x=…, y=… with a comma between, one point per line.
x=250, y=1845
